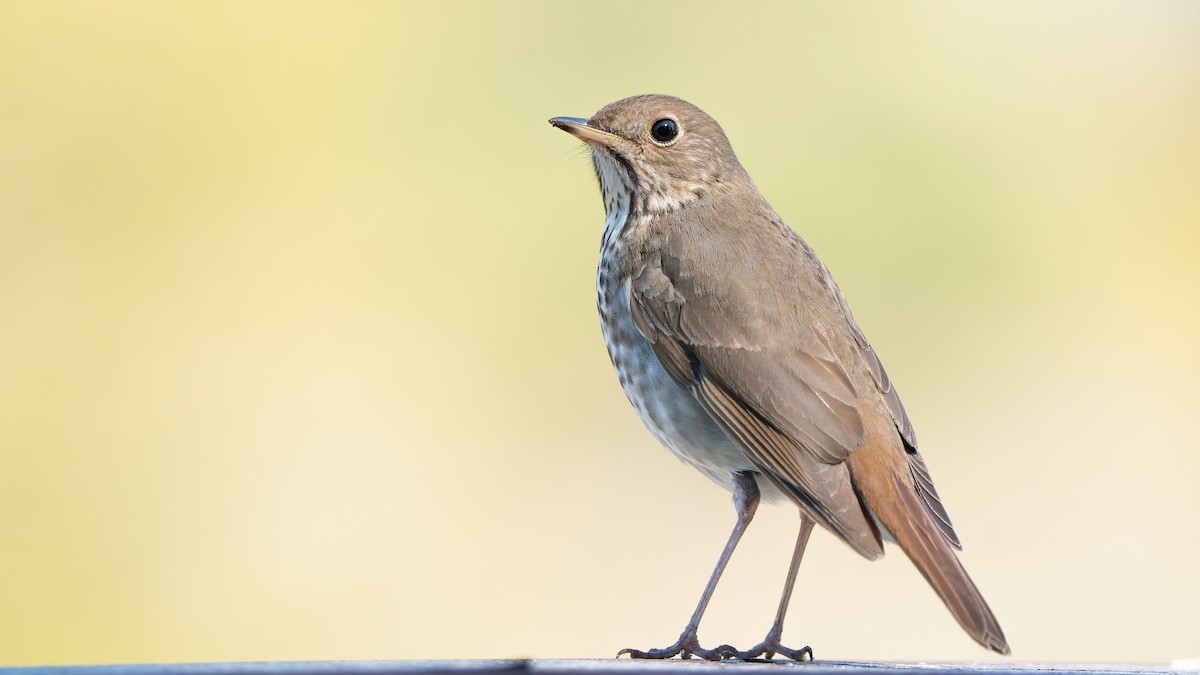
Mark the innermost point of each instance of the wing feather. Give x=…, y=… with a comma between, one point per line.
x=771, y=366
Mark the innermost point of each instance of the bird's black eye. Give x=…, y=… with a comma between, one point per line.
x=664, y=130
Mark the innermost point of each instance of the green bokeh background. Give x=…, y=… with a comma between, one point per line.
x=299, y=357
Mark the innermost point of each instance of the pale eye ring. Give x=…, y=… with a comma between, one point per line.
x=664, y=130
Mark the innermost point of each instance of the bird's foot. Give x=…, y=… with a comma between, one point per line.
x=687, y=646
x=768, y=651
x=770, y=646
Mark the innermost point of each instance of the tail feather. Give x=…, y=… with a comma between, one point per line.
x=909, y=523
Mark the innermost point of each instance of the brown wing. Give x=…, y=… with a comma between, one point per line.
x=772, y=349
x=756, y=327
x=764, y=363
x=822, y=488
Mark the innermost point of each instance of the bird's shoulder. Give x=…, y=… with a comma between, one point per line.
x=733, y=274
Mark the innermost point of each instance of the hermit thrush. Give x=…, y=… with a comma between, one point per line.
x=737, y=349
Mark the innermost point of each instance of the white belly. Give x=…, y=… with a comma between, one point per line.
x=669, y=411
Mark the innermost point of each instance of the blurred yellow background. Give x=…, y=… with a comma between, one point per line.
x=299, y=357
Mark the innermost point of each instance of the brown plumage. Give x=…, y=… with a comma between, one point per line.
x=741, y=355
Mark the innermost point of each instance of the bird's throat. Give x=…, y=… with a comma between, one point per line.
x=616, y=186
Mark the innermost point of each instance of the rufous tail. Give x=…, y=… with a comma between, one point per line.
x=906, y=519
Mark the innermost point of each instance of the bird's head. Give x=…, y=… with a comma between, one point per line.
x=658, y=152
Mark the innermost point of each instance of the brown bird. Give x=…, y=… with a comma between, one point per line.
x=737, y=349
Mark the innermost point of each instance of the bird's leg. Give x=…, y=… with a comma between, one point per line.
x=745, y=499
x=770, y=645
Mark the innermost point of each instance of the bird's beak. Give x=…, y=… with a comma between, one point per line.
x=578, y=127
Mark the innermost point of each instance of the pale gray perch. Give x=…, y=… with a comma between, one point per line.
x=593, y=667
